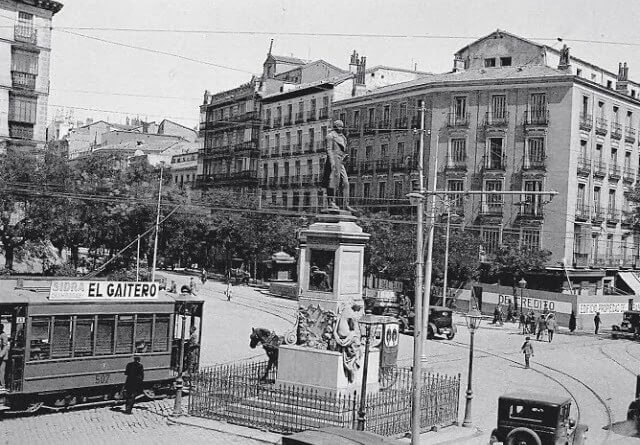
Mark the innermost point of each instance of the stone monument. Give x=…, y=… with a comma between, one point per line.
x=327, y=351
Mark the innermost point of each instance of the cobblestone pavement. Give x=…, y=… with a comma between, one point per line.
x=147, y=425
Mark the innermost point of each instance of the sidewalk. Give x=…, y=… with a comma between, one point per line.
x=449, y=436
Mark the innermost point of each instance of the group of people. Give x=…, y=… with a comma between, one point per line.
x=544, y=325
x=499, y=314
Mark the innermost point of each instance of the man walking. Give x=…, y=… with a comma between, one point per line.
x=596, y=321
x=527, y=350
x=542, y=327
x=4, y=355
x=134, y=383
x=552, y=324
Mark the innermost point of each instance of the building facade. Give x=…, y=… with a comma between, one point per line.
x=25, y=51
x=184, y=167
x=512, y=115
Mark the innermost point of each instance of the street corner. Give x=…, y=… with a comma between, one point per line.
x=241, y=433
x=450, y=435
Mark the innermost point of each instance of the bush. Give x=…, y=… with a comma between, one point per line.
x=61, y=270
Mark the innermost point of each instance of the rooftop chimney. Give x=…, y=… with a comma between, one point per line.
x=622, y=85
x=354, y=62
x=458, y=64
x=565, y=59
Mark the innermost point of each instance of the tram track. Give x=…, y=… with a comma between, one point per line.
x=546, y=374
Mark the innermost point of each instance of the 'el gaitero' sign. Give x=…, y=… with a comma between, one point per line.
x=97, y=290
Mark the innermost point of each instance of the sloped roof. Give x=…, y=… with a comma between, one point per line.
x=117, y=126
x=306, y=65
x=392, y=68
x=298, y=87
x=498, y=33
x=285, y=59
x=175, y=123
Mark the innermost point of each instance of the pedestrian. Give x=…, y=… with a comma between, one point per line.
x=193, y=352
x=133, y=385
x=596, y=321
x=228, y=292
x=541, y=327
x=4, y=355
x=527, y=350
x=510, y=317
x=552, y=325
x=174, y=287
x=532, y=322
x=522, y=324
x=496, y=314
x=203, y=276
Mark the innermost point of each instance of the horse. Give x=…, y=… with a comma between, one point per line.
x=270, y=343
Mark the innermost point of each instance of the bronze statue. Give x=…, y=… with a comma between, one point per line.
x=334, y=178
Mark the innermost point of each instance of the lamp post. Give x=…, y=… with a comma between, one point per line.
x=177, y=407
x=368, y=320
x=473, y=319
x=522, y=283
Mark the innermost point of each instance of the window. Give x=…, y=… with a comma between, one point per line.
x=143, y=333
x=493, y=202
x=455, y=185
x=366, y=192
x=616, y=114
x=499, y=107
x=300, y=138
x=627, y=161
x=356, y=119
x=530, y=413
x=312, y=137
x=460, y=107
x=611, y=205
x=325, y=101
x=306, y=200
x=309, y=166
x=599, y=152
x=585, y=105
x=267, y=148
x=367, y=152
x=538, y=104
x=383, y=151
x=490, y=62
x=629, y=122
x=24, y=18
x=83, y=336
x=490, y=239
x=313, y=105
x=533, y=204
x=22, y=109
x=372, y=117
x=581, y=195
x=397, y=190
x=61, y=338
x=601, y=109
x=596, y=199
x=495, y=156
x=505, y=61
x=386, y=113
x=535, y=152
x=124, y=340
x=24, y=61
x=382, y=189
x=458, y=151
x=400, y=153
x=614, y=157
x=530, y=238
x=578, y=72
x=609, y=84
x=40, y=347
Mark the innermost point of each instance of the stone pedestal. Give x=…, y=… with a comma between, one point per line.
x=334, y=246
x=323, y=370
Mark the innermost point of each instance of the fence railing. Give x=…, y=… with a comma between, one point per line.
x=234, y=393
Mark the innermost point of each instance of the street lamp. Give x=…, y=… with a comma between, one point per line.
x=368, y=320
x=473, y=319
x=522, y=283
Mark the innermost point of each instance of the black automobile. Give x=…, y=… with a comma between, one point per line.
x=440, y=322
x=536, y=419
x=629, y=327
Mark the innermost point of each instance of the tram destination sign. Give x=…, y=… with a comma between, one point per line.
x=98, y=290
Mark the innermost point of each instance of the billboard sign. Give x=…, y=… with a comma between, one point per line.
x=100, y=290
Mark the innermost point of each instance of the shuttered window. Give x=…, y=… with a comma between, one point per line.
x=124, y=339
x=39, y=342
x=24, y=61
x=23, y=109
x=143, y=333
x=61, y=341
x=106, y=329
x=83, y=339
x=161, y=334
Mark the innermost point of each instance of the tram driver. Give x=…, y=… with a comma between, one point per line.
x=4, y=355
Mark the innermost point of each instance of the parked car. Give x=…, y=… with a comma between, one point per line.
x=440, y=322
x=239, y=276
x=629, y=327
x=337, y=436
x=536, y=419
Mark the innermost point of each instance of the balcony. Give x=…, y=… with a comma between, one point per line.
x=614, y=172
x=286, y=150
x=277, y=122
x=628, y=175
x=297, y=148
x=366, y=167
x=616, y=131
x=599, y=169
x=492, y=119
x=629, y=135
x=24, y=132
x=354, y=131
x=311, y=115
x=308, y=147
x=457, y=164
x=244, y=174
x=598, y=214
x=401, y=165
x=248, y=116
x=602, y=126
x=582, y=212
x=458, y=120
x=286, y=121
x=25, y=34
x=307, y=180
x=531, y=212
x=296, y=180
x=536, y=118
x=613, y=216
x=352, y=168
x=22, y=80
x=384, y=126
x=535, y=163
x=285, y=181
x=401, y=123
x=324, y=113
x=369, y=128
x=382, y=165
x=273, y=182
x=321, y=146
x=491, y=209
x=584, y=166
x=299, y=117
x=496, y=163
x=266, y=124
x=581, y=260
x=586, y=121
x=628, y=217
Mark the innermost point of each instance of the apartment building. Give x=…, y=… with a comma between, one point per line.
x=519, y=116
x=25, y=50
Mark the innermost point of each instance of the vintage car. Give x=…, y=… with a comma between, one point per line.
x=536, y=419
x=440, y=322
x=630, y=326
x=633, y=413
x=337, y=436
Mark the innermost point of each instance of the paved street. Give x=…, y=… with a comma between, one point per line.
x=604, y=371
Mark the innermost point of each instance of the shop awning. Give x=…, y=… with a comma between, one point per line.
x=632, y=280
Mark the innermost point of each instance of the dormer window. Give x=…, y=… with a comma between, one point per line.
x=490, y=63
x=505, y=61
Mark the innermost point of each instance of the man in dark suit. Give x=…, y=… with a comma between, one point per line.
x=134, y=383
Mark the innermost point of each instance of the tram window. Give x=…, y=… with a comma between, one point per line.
x=61, y=341
x=83, y=337
x=143, y=333
x=161, y=334
x=39, y=344
x=124, y=340
x=106, y=328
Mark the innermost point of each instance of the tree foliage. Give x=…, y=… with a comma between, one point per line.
x=512, y=262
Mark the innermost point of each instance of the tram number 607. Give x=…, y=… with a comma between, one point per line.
x=101, y=379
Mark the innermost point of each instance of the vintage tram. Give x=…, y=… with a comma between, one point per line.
x=71, y=340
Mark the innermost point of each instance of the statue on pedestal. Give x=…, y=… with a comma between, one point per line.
x=347, y=335
x=334, y=178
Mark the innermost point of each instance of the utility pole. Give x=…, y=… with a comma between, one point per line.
x=446, y=254
x=418, y=326
x=155, y=242
x=428, y=267
x=138, y=261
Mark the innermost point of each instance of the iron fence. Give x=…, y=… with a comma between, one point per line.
x=234, y=393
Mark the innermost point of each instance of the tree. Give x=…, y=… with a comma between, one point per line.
x=512, y=262
x=463, y=264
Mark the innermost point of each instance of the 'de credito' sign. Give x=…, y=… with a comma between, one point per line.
x=90, y=290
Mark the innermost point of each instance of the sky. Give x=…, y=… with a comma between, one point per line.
x=108, y=81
